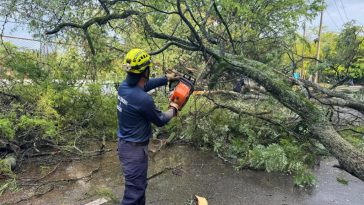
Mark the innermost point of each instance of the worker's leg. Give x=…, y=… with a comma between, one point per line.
x=134, y=160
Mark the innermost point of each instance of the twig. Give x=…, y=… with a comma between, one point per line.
x=164, y=170
x=35, y=195
x=224, y=159
x=40, y=178
x=87, y=176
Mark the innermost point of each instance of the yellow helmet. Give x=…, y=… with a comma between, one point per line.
x=136, y=61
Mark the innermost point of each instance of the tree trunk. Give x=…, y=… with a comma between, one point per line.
x=351, y=159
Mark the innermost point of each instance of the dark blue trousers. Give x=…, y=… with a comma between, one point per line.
x=134, y=161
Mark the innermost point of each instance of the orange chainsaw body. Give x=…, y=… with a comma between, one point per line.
x=182, y=91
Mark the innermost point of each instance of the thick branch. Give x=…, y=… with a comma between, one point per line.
x=343, y=103
x=342, y=99
x=188, y=23
x=167, y=45
x=99, y=20
x=89, y=41
x=103, y=5
x=325, y=91
x=16, y=97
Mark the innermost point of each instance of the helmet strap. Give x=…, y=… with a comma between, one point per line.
x=146, y=73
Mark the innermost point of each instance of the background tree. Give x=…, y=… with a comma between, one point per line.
x=345, y=57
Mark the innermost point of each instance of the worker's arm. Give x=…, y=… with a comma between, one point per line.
x=154, y=83
x=154, y=115
x=157, y=82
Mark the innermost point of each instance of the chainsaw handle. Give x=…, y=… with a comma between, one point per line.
x=172, y=84
x=175, y=107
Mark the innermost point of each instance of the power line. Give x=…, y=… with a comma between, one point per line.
x=38, y=40
x=328, y=13
x=338, y=10
x=343, y=7
x=14, y=22
x=19, y=38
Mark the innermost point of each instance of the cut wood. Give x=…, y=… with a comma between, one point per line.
x=97, y=202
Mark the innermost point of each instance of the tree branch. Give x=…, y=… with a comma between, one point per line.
x=176, y=40
x=16, y=97
x=342, y=103
x=155, y=8
x=325, y=91
x=239, y=111
x=342, y=99
x=167, y=45
x=89, y=41
x=143, y=4
x=235, y=95
x=202, y=26
x=226, y=26
x=103, y=5
x=99, y=20
x=188, y=23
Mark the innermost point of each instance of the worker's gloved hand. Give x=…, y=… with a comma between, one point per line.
x=172, y=75
x=174, y=106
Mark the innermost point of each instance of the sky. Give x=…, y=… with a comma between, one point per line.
x=339, y=12
x=335, y=15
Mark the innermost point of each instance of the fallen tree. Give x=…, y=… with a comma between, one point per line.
x=195, y=31
x=351, y=159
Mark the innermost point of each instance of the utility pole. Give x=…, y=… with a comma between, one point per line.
x=303, y=52
x=317, y=77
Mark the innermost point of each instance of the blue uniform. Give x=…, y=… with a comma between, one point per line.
x=136, y=112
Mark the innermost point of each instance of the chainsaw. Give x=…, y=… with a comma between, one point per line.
x=181, y=90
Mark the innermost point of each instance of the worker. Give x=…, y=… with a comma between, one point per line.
x=136, y=111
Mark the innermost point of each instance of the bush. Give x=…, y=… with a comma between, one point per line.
x=7, y=128
x=37, y=127
x=59, y=113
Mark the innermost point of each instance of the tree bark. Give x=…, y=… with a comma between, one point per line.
x=351, y=159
